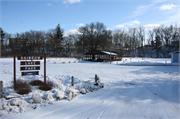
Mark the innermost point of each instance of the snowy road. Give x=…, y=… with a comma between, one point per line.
x=131, y=92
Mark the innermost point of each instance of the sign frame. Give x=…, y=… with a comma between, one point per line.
x=41, y=55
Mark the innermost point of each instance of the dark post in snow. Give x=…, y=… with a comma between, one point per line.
x=1, y=90
x=45, y=68
x=72, y=81
x=14, y=72
x=96, y=78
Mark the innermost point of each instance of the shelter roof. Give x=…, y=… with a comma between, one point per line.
x=174, y=52
x=102, y=52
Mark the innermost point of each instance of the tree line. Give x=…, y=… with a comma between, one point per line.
x=93, y=36
x=162, y=39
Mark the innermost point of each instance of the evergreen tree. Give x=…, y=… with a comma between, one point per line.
x=58, y=38
x=2, y=36
x=59, y=35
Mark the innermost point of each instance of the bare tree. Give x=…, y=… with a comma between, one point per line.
x=134, y=43
x=50, y=41
x=118, y=39
x=95, y=35
x=151, y=37
x=69, y=42
x=141, y=36
x=168, y=34
x=159, y=32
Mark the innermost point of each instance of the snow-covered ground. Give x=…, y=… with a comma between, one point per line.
x=130, y=92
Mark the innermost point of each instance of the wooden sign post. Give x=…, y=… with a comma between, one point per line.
x=14, y=72
x=28, y=66
x=1, y=90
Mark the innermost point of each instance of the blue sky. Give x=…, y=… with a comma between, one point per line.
x=20, y=16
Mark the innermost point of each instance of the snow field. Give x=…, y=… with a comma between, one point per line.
x=133, y=92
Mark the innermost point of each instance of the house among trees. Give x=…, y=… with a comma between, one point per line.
x=175, y=57
x=102, y=56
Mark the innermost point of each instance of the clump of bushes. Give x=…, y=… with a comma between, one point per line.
x=42, y=85
x=22, y=87
x=36, y=83
x=47, y=86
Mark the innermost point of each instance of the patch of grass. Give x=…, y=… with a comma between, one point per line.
x=47, y=86
x=22, y=87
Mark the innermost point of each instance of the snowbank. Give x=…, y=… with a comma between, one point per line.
x=62, y=60
x=147, y=63
x=62, y=91
x=127, y=61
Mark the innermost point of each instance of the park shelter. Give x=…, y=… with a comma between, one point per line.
x=102, y=56
x=175, y=57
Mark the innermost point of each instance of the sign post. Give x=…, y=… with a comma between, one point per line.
x=45, y=68
x=1, y=90
x=27, y=65
x=14, y=72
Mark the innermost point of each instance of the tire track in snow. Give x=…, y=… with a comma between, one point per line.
x=107, y=70
x=6, y=72
x=122, y=91
x=108, y=93
x=154, y=80
x=133, y=93
x=40, y=116
x=79, y=72
x=105, y=103
x=93, y=98
x=99, y=117
x=90, y=110
x=150, y=107
x=161, y=108
x=149, y=104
